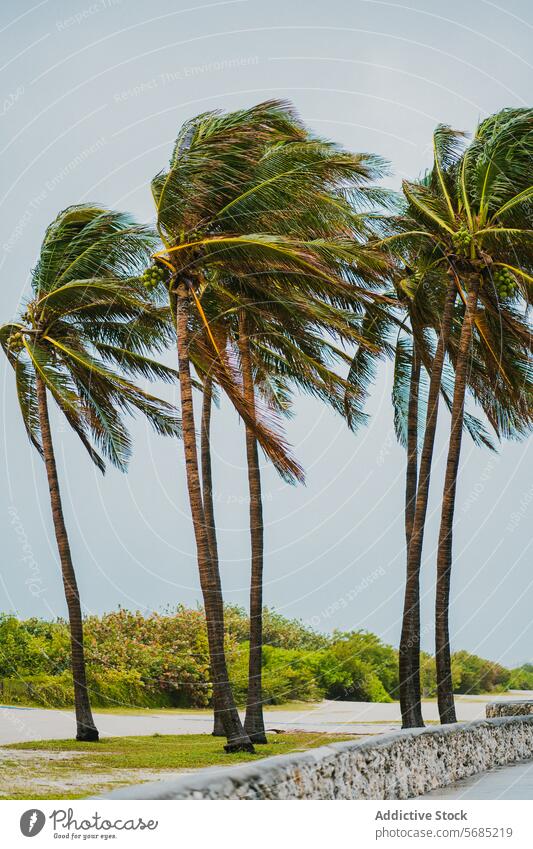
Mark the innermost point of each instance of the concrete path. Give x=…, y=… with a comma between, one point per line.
x=20, y=724
x=506, y=782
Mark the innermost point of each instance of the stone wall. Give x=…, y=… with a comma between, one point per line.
x=395, y=766
x=509, y=708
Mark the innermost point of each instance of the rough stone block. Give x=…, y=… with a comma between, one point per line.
x=509, y=708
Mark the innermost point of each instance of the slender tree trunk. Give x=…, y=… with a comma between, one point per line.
x=238, y=740
x=254, y=722
x=85, y=728
x=409, y=654
x=207, y=479
x=444, y=554
x=209, y=513
x=411, y=473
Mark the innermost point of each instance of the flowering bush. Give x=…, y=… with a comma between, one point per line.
x=162, y=660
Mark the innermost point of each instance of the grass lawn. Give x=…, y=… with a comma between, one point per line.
x=67, y=769
x=131, y=710
x=140, y=711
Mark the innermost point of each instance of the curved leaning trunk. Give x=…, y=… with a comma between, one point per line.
x=237, y=739
x=444, y=553
x=209, y=513
x=254, y=723
x=409, y=652
x=85, y=728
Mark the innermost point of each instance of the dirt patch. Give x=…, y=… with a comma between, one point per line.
x=39, y=774
x=22, y=755
x=87, y=782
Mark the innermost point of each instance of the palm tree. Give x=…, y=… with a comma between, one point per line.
x=495, y=248
x=235, y=199
x=84, y=318
x=211, y=160
x=414, y=245
x=471, y=213
x=338, y=186
x=320, y=194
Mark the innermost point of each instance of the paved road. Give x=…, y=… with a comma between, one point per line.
x=506, y=782
x=19, y=724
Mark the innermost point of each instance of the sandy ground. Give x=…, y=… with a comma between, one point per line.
x=20, y=724
x=30, y=774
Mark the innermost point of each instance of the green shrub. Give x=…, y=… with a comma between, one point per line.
x=114, y=688
x=33, y=646
x=477, y=675
x=162, y=660
x=287, y=675
x=277, y=630
x=344, y=675
x=379, y=658
x=54, y=691
x=522, y=678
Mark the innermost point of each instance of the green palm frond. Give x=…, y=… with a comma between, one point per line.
x=256, y=213
x=89, y=325
x=401, y=387
x=471, y=216
x=87, y=242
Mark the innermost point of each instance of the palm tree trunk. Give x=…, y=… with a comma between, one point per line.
x=85, y=728
x=254, y=722
x=409, y=653
x=444, y=554
x=411, y=473
x=209, y=513
x=237, y=739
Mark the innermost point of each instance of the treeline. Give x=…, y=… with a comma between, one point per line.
x=162, y=660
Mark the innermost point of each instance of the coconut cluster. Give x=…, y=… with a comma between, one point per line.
x=504, y=282
x=462, y=241
x=15, y=342
x=153, y=275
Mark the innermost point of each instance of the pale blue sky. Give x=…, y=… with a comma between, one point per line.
x=93, y=95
